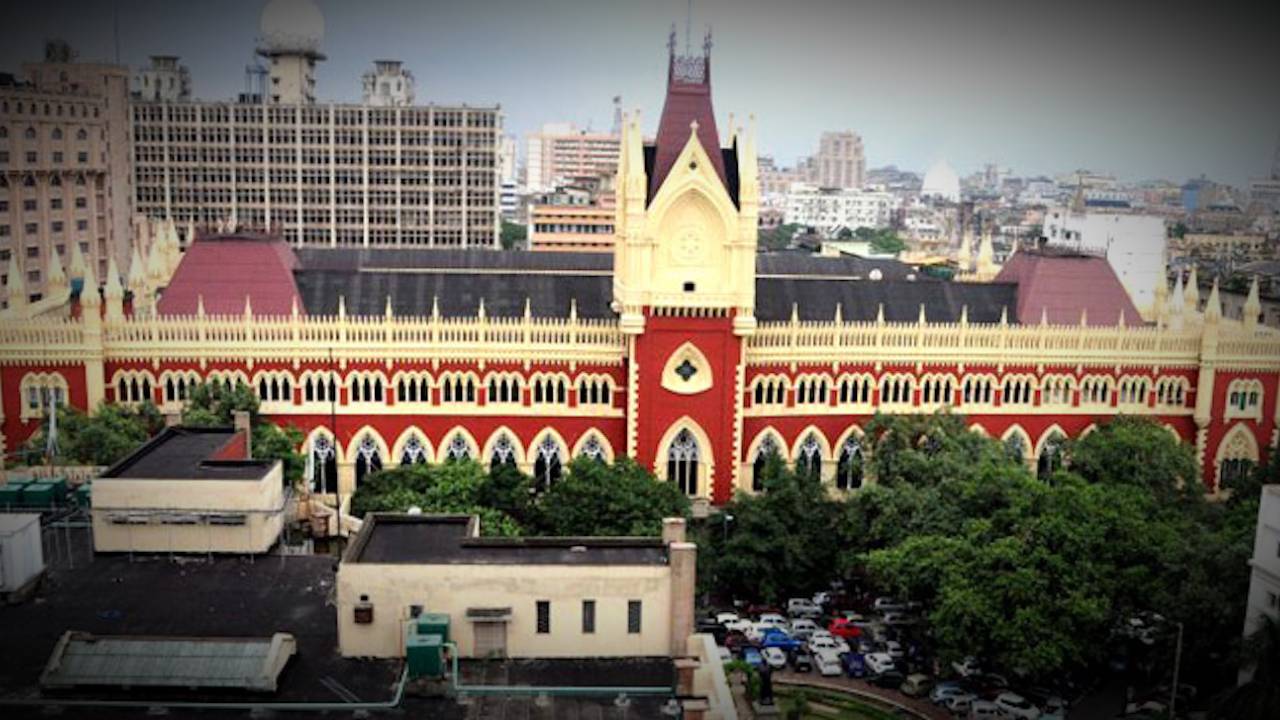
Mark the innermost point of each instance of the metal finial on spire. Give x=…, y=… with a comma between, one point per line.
x=706, y=43
x=671, y=40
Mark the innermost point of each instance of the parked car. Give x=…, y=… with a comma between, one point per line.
x=726, y=617
x=803, y=628
x=802, y=660
x=884, y=603
x=887, y=679
x=1053, y=708
x=897, y=618
x=844, y=628
x=775, y=638
x=803, y=607
x=827, y=662
x=984, y=710
x=775, y=657
x=855, y=666
x=741, y=625
x=946, y=690
x=893, y=649
x=774, y=619
x=751, y=655
x=827, y=642
x=959, y=704
x=916, y=685
x=821, y=598
x=757, y=609
x=879, y=662
x=1014, y=705
x=967, y=667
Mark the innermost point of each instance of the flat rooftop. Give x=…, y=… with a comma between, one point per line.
x=389, y=538
x=182, y=453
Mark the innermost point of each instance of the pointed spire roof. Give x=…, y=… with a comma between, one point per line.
x=16, y=287
x=688, y=101
x=57, y=279
x=77, y=266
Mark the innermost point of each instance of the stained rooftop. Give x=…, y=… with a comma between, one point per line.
x=443, y=540
x=181, y=453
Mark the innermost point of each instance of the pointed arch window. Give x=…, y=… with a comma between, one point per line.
x=1050, y=460
x=415, y=452
x=767, y=450
x=326, y=464
x=809, y=461
x=547, y=467
x=458, y=449
x=504, y=453
x=1016, y=447
x=849, y=465
x=682, y=462
x=592, y=448
x=367, y=458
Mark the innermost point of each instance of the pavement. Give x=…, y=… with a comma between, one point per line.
x=922, y=707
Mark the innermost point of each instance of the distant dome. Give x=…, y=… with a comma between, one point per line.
x=942, y=182
x=291, y=26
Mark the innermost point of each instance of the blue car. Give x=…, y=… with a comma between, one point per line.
x=779, y=639
x=752, y=657
x=854, y=666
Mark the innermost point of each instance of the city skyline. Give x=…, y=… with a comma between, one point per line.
x=1126, y=96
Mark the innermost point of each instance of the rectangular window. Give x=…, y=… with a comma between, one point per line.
x=544, y=617
x=1273, y=600
x=588, y=616
x=633, y=616
x=28, y=204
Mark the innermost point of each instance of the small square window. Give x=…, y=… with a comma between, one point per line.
x=689, y=287
x=544, y=617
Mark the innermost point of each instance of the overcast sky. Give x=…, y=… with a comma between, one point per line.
x=1141, y=89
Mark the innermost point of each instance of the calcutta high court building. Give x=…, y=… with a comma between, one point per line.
x=685, y=350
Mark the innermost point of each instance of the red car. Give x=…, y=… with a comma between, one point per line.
x=844, y=628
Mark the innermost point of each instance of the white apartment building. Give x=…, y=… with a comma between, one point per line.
x=560, y=152
x=388, y=84
x=829, y=210
x=1135, y=245
x=164, y=80
x=64, y=167
x=330, y=174
x=1264, y=581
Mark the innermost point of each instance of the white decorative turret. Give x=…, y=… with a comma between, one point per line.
x=172, y=251
x=76, y=270
x=965, y=259
x=138, y=284
x=89, y=297
x=114, y=292
x=1192, y=297
x=1160, y=305
x=1213, y=306
x=1252, y=306
x=986, y=258
x=16, y=287
x=56, y=279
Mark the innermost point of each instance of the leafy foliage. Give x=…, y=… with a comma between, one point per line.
x=214, y=405
x=595, y=498
x=452, y=487
x=513, y=235
x=778, y=238
x=103, y=438
x=1136, y=451
x=883, y=240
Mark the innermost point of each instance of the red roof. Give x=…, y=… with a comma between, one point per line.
x=688, y=99
x=224, y=270
x=1064, y=286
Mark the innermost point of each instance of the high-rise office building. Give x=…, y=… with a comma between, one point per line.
x=839, y=162
x=64, y=166
x=561, y=152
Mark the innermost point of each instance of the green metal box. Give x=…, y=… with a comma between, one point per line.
x=84, y=495
x=11, y=494
x=59, y=486
x=433, y=624
x=423, y=655
x=39, y=495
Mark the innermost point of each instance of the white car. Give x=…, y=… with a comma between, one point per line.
x=893, y=649
x=879, y=663
x=773, y=620
x=741, y=625
x=896, y=618
x=821, y=598
x=959, y=704
x=1014, y=705
x=827, y=662
x=775, y=657
x=967, y=667
x=887, y=603
x=804, y=628
x=803, y=607
x=726, y=617
x=823, y=640
x=945, y=691
x=983, y=710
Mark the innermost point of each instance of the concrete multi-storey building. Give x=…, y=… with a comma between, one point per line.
x=776, y=180
x=560, y=151
x=64, y=167
x=388, y=84
x=559, y=228
x=839, y=162
x=341, y=175
x=1135, y=245
x=164, y=80
x=1264, y=581
x=830, y=210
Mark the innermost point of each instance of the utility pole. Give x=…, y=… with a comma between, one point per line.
x=1177, y=666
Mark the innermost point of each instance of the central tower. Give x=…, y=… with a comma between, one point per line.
x=684, y=281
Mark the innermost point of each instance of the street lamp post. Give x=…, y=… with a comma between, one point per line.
x=1177, y=666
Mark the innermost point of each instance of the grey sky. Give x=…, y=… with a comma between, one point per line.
x=1142, y=89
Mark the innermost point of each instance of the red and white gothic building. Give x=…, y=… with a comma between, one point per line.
x=686, y=350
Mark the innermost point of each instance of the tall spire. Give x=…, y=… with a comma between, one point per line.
x=16, y=287
x=57, y=279
x=1192, y=297
x=1252, y=306
x=688, y=100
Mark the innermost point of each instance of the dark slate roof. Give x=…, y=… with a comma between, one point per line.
x=458, y=279
x=686, y=102
x=860, y=300
x=390, y=538
x=181, y=453
x=224, y=270
x=1063, y=284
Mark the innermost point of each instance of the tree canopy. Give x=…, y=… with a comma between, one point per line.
x=104, y=437
x=214, y=405
x=595, y=498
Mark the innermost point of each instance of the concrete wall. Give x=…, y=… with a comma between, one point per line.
x=147, y=504
x=452, y=589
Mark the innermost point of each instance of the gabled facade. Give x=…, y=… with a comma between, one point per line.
x=686, y=349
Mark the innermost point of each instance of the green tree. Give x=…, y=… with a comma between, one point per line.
x=777, y=238
x=595, y=498
x=451, y=488
x=1137, y=451
x=214, y=405
x=513, y=235
x=1259, y=698
x=103, y=438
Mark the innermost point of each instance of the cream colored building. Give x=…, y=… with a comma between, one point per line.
x=515, y=597
x=65, y=167
x=389, y=84
x=1223, y=246
x=839, y=162
x=165, y=79
x=324, y=175
x=560, y=152
x=190, y=490
x=559, y=228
